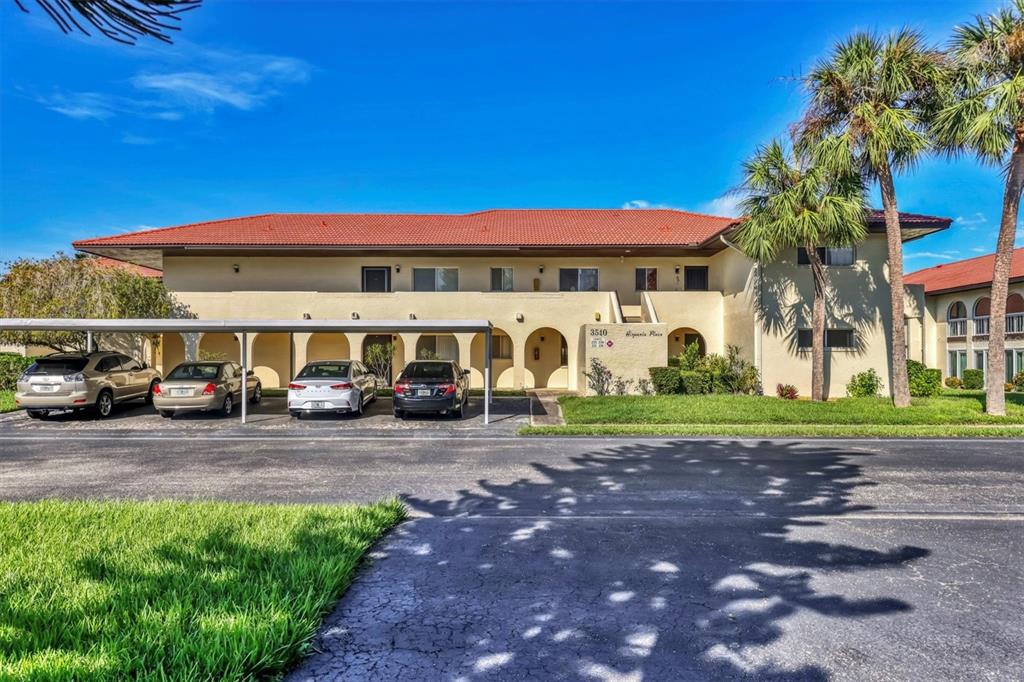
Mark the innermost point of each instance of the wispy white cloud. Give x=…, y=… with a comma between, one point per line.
x=214, y=79
x=726, y=205
x=974, y=221
x=644, y=204
x=133, y=139
x=979, y=249
x=944, y=255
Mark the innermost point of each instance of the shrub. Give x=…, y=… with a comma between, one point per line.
x=674, y=362
x=12, y=366
x=1008, y=386
x=695, y=382
x=973, y=379
x=644, y=385
x=665, y=380
x=924, y=382
x=866, y=384
x=690, y=358
x=954, y=382
x=786, y=391
x=729, y=373
x=599, y=378
x=1018, y=381
x=621, y=386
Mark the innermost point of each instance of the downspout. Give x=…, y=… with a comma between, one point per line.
x=758, y=344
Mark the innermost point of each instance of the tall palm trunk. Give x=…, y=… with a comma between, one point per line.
x=894, y=238
x=817, y=325
x=995, y=398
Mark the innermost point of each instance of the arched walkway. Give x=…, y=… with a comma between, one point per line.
x=502, y=350
x=172, y=351
x=327, y=346
x=397, y=353
x=546, y=360
x=437, y=347
x=219, y=346
x=271, y=358
x=680, y=338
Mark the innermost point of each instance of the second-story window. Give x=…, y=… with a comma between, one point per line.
x=695, y=278
x=647, y=279
x=501, y=279
x=832, y=255
x=435, y=279
x=577, y=279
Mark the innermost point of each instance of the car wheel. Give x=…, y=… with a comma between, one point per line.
x=295, y=414
x=37, y=414
x=459, y=410
x=149, y=393
x=104, y=404
x=228, y=406
x=166, y=414
x=399, y=414
x=257, y=394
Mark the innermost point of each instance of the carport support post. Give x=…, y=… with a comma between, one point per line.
x=88, y=342
x=245, y=375
x=487, y=377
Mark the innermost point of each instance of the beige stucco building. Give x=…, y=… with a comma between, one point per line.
x=560, y=287
x=955, y=324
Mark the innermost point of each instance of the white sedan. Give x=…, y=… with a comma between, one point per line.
x=331, y=386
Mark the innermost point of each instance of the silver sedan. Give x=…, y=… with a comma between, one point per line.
x=331, y=386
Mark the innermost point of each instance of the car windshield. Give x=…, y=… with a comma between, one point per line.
x=57, y=366
x=204, y=372
x=429, y=370
x=325, y=370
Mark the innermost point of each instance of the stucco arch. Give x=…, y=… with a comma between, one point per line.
x=501, y=367
x=677, y=340
x=328, y=346
x=219, y=346
x=547, y=353
x=271, y=358
x=956, y=311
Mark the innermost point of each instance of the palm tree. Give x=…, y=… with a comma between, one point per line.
x=984, y=113
x=792, y=202
x=874, y=95
x=123, y=21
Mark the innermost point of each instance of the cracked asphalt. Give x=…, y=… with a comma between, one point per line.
x=619, y=559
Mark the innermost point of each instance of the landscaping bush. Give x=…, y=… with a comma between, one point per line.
x=695, y=382
x=665, y=380
x=1018, y=381
x=1008, y=386
x=866, y=384
x=727, y=373
x=599, y=378
x=953, y=382
x=621, y=386
x=644, y=386
x=12, y=366
x=786, y=391
x=974, y=379
x=674, y=362
x=924, y=382
x=690, y=358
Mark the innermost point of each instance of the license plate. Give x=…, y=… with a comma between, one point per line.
x=181, y=392
x=46, y=388
x=317, y=405
x=423, y=392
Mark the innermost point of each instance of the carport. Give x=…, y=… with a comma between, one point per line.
x=245, y=327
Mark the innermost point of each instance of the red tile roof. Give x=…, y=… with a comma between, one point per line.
x=493, y=228
x=590, y=227
x=964, y=274
x=102, y=262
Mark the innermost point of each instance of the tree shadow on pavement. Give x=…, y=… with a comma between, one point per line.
x=656, y=561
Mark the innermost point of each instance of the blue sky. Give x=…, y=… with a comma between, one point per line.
x=416, y=107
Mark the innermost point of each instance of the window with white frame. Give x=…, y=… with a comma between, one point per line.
x=435, y=279
x=577, y=279
x=501, y=279
x=842, y=339
x=956, y=363
x=647, y=279
x=501, y=347
x=828, y=255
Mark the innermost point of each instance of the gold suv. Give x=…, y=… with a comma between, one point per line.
x=79, y=381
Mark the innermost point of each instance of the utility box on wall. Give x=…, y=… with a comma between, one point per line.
x=628, y=350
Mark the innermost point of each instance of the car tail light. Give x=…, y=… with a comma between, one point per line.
x=296, y=387
x=209, y=389
x=447, y=389
x=156, y=389
x=401, y=387
x=342, y=386
x=74, y=377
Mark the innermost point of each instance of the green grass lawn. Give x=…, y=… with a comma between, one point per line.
x=6, y=401
x=958, y=413
x=172, y=590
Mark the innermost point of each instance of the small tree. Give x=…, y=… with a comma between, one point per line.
x=64, y=286
x=599, y=378
x=983, y=113
x=792, y=201
x=378, y=359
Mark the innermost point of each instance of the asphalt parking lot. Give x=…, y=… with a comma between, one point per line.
x=271, y=415
x=618, y=559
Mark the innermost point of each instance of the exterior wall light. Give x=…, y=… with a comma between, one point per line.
x=412, y=316
x=235, y=268
x=307, y=316
x=519, y=317
x=355, y=316
x=677, y=269
x=398, y=268
x=541, y=269
x=597, y=316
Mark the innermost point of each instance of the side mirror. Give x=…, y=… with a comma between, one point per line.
x=250, y=373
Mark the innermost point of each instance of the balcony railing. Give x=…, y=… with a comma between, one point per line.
x=1015, y=323
x=956, y=328
x=981, y=326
